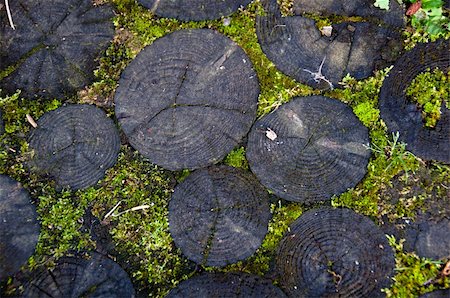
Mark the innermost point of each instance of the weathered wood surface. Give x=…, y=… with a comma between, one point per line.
x=74, y=145
x=187, y=99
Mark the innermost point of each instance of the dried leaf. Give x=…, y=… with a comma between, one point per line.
x=413, y=8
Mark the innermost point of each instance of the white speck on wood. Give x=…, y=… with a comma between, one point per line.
x=270, y=134
x=326, y=30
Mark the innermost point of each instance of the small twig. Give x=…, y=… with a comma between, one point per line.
x=8, y=12
x=317, y=76
x=31, y=120
x=132, y=209
x=112, y=210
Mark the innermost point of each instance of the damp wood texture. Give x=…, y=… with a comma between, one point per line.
x=55, y=45
x=402, y=115
x=194, y=10
x=427, y=236
x=309, y=149
x=299, y=49
x=334, y=252
x=187, y=99
x=90, y=275
x=226, y=285
x=74, y=145
x=19, y=227
x=219, y=215
x=437, y=294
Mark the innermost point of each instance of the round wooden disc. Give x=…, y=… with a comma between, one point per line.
x=445, y=293
x=219, y=215
x=309, y=149
x=93, y=276
x=19, y=228
x=403, y=116
x=75, y=145
x=226, y=285
x=350, y=8
x=297, y=47
x=193, y=10
x=55, y=45
x=334, y=252
x=188, y=99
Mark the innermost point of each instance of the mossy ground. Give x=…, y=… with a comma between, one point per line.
x=397, y=184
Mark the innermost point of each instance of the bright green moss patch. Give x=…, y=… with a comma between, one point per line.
x=429, y=90
x=236, y=158
x=414, y=275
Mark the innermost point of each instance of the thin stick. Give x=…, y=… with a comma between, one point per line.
x=112, y=210
x=31, y=120
x=8, y=12
x=132, y=209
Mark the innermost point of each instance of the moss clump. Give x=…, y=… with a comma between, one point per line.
x=141, y=235
x=428, y=90
x=236, y=158
x=414, y=275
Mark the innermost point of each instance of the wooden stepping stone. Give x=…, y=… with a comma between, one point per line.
x=334, y=252
x=226, y=285
x=193, y=10
x=80, y=276
x=74, y=145
x=427, y=236
x=403, y=116
x=188, y=99
x=309, y=149
x=19, y=228
x=219, y=215
x=299, y=49
x=437, y=294
x=350, y=8
x=54, y=47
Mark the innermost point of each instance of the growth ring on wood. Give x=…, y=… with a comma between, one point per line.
x=219, y=215
x=74, y=145
x=19, y=228
x=334, y=252
x=193, y=10
x=226, y=285
x=54, y=47
x=402, y=115
x=80, y=276
x=309, y=149
x=298, y=49
x=187, y=99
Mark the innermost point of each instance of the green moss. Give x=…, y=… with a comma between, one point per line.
x=428, y=90
x=396, y=185
x=414, y=276
x=236, y=158
x=13, y=145
x=141, y=236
